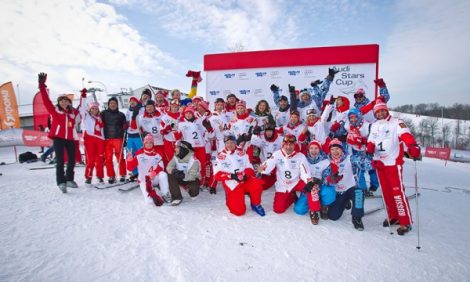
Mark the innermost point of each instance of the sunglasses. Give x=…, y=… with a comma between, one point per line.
x=358, y=96
x=289, y=140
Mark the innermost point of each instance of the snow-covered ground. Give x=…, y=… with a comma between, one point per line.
x=106, y=235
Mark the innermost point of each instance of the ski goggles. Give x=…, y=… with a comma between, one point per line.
x=289, y=139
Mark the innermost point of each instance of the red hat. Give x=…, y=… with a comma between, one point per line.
x=380, y=106
x=161, y=92
x=197, y=98
x=314, y=143
x=204, y=105
x=148, y=138
x=240, y=103
x=336, y=143
x=134, y=99
x=188, y=109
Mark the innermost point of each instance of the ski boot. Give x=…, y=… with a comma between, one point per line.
x=258, y=209
x=167, y=197
x=212, y=190
x=403, y=229
x=122, y=179
x=71, y=184
x=369, y=193
x=63, y=187
x=112, y=180
x=348, y=205
x=357, y=222
x=176, y=202
x=314, y=217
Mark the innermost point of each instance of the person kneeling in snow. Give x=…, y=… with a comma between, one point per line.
x=340, y=174
x=235, y=171
x=292, y=175
x=149, y=165
x=183, y=169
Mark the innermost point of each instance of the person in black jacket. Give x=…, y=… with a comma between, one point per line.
x=115, y=126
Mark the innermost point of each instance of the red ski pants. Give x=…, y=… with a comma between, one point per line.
x=235, y=199
x=168, y=151
x=269, y=180
x=391, y=181
x=94, y=154
x=200, y=154
x=113, y=147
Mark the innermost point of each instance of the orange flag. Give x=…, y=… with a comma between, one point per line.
x=9, y=117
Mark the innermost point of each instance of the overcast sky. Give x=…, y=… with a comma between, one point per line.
x=424, y=54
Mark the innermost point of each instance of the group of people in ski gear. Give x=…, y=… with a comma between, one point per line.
x=315, y=152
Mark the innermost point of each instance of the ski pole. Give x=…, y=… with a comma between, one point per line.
x=417, y=204
x=386, y=213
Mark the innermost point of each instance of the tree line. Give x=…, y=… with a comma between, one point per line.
x=456, y=111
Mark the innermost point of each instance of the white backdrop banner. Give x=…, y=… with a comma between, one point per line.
x=249, y=75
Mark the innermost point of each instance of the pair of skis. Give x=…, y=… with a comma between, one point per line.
x=126, y=187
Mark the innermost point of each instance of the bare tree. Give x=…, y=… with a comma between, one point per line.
x=422, y=131
x=432, y=125
x=445, y=135
x=411, y=125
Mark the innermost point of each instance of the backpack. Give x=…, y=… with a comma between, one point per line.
x=27, y=157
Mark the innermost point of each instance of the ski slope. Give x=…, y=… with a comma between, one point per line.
x=105, y=235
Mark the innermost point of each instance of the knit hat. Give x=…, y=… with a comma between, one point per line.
x=113, y=99
x=185, y=144
x=197, y=98
x=134, y=99
x=311, y=112
x=161, y=92
x=359, y=93
x=241, y=103
x=336, y=143
x=146, y=92
x=283, y=98
x=380, y=106
x=189, y=109
x=204, y=105
x=230, y=137
x=314, y=143
x=148, y=138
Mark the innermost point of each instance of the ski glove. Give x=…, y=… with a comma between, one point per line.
x=42, y=77
x=414, y=151
x=239, y=177
x=331, y=74
x=274, y=88
x=334, y=178
x=83, y=92
x=315, y=83
x=207, y=125
x=178, y=174
x=292, y=89
x=380, y=82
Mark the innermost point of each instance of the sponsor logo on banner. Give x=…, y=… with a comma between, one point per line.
x=214, y=92
x=308, y=73
x=258, y=92
x=243, y=76
x=244, y=91
x=229, y=75
x=293, y=72
x=261, y=74
x=275, y=74
x=9, y=117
